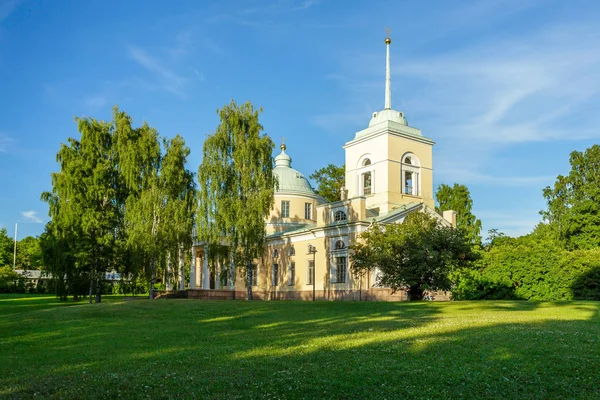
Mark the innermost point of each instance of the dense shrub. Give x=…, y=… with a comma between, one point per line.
x=473, y=285
x=532, y=267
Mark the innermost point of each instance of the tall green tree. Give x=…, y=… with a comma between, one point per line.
x=458, y=198
x=29, y=253
x=574, y=201
x=180, y=192
x=83, y=194
x=116, y=204
x=236, y=185
x=330, y=181
x=159, y=193
x=418, y=254
x=6, y=248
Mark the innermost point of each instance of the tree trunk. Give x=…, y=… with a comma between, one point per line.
x=91, y=285
x=249, y=279
x=415, y=293
x=232, y=273
x=169, y=274
x=181, y=271
x=98, y=289
x=152, y=279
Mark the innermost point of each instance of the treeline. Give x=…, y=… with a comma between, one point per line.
x=122, y=201
x=560, y=259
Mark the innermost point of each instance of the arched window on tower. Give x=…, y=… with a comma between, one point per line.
x=366, y=178
x=411, y=169
x=366, y=183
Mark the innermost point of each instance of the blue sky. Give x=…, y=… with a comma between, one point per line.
x=507, y=89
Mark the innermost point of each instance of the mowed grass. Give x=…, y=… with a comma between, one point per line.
x=344, y=350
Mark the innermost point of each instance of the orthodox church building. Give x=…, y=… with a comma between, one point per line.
x=389, y=174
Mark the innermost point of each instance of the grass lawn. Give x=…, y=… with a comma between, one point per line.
x=235, y=349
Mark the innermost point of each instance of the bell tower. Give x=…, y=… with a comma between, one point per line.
x=390, y=162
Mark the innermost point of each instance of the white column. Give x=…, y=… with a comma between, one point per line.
x=218, y=275
x=181, y=271
x=205, y=274
x=193, y=269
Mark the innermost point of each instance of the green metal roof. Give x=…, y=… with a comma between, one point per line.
x=291, y=181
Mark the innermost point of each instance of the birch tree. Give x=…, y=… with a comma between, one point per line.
x=83, y=209
x=236, y=185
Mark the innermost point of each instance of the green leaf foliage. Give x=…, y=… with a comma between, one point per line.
x=29, y=253
x=236, y=184
x=458, y=198
x=116, y=204
x=532, y=267
x=330, y=181
x=418, y=254
x=8, y=279
x=6, y=248
x=574, y=201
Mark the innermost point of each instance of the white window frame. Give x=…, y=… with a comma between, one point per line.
x=333, y=273
x=287, y=209
x=415, y=169
x=361, y=170
x=344, y=209
x=308, y=280
x=255, y=275
x=334, y=254
x=308, y=207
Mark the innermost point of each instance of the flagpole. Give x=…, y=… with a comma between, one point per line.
x=15, y=251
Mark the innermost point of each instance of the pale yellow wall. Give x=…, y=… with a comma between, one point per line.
x=376, y=148
x=398, y=146
x=323, y=244
x=385, y=152
x=355, y=209
x=296, y=212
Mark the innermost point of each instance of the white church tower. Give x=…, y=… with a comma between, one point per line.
x=389, y=163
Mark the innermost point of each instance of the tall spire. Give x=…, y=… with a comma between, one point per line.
x=388, y=84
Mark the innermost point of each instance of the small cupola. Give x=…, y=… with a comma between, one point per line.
x=283, y=160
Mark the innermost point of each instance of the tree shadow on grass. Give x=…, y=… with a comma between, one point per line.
x=191, y=349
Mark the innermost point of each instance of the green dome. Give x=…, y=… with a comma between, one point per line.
x=290, y=180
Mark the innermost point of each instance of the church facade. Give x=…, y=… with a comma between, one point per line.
x=389, y=174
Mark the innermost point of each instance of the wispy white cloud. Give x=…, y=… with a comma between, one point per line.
x=514, y=91
x=467, y=176
x=5, y=142
x=167, y=78
x=95, y=101
x=511, y=224
x=31, y=216
x=304, y=5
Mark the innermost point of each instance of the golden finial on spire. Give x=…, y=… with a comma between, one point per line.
x=282, y=147
x=387, y=37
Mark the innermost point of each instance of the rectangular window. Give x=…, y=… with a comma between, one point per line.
x=307, y=211
x=367, y=183
x=338, y=272
x=311, y=273
x=254, y=274
x=285, y=209
x=275, y=274
x=292, y=274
